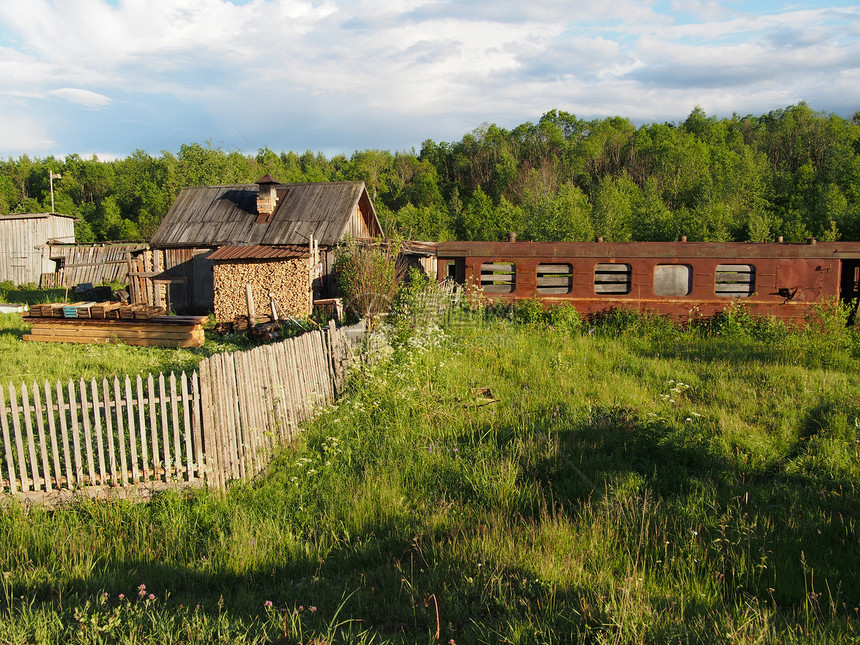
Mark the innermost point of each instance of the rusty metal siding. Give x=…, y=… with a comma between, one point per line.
x=788, y=278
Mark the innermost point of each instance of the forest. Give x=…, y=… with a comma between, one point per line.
x=793, y=172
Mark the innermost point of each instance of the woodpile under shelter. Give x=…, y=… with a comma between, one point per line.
x=277, y=238
x=25, y=244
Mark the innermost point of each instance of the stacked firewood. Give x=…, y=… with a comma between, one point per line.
x=283, y=281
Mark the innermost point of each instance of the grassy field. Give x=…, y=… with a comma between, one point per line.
x=500, y=481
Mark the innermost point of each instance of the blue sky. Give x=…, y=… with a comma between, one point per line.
x=108, y=77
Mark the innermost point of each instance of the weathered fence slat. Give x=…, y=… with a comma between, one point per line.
x=165, y=434
x=197, y=421
x=174, y=414
x=7, y=446
x=141, y=424
x=98, y=407
x=88, y=435
x=64, y=433
x=186, y=418
x=31, y=441
x=110, y=434
x=52, y=430
x=132, y=435
x=19, y=442
x=43, y=444
x=120, y=432
x=76, y=435
x=157, y=467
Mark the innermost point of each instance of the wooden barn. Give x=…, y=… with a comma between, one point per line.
x=25, y=244
x=279, y=238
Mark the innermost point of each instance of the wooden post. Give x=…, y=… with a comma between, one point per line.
x=249, y=299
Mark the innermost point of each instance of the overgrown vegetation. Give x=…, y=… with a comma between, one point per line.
x=791, y=172
x=528, y=477
x=368, y=274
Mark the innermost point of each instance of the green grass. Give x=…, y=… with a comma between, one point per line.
x=626, y=482
x=26, y=362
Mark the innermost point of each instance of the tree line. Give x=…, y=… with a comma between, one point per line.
x=793, y=172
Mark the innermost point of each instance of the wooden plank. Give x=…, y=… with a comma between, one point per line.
x=19, y=442
x=132, y=435
x=157, y=466
x=165, y=433
x=120, y=432
x=199, y=462
x=235, y=434
x=98, y=406
x=141, y=424
x=140, y=342
x=31, y=441
x=222, y=424
x=174, y=417
x=111, y=439
x=171, y=333
x=43, y=443
x=76, y=435
x=88, y=435
x=7, y=445
x=64, y=432
x=186, y=417
x=208, y=424
x=219, y=425
x=244, y=418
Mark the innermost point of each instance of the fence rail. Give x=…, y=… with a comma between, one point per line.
x=126, y=437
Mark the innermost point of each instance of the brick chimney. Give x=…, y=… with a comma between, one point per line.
x=267, y=198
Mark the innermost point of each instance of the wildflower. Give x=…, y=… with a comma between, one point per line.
x=121, y=596
x=267, y=604
x=301, y=607
x=141, y=590
x=151, y=596
x=695, y=533
x=312, y=608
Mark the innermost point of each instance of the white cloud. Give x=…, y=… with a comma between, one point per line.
x=343, y=69
x=82, y=97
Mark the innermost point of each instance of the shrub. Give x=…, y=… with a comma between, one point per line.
x=368, y=274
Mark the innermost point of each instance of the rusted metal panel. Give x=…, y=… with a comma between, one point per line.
x=260, y=252
x=681, y=279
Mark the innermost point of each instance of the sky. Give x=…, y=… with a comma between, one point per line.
x=108, y=77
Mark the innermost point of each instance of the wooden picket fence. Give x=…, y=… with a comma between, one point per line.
x=129, y=437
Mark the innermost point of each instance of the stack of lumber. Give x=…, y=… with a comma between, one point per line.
x=159, y=331
x=101, y=310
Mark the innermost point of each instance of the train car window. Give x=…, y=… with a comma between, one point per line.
x=612, y=278
x=498, y=277
x=554, y=278
x=673, y=279
x=734, y=280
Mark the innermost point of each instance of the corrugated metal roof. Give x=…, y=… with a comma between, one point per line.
x=209, y=216
x=259, y=252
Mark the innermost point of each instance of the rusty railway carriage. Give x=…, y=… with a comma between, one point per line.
x=678, y=279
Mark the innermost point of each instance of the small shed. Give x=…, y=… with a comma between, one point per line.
x=265, y=229
x=25, y=244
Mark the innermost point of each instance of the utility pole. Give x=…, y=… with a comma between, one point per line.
x=53, y=176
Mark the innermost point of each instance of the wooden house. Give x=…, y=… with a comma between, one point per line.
x=214, y=239
x=25, y=244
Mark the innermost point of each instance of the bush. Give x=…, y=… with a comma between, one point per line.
x=368, y=274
